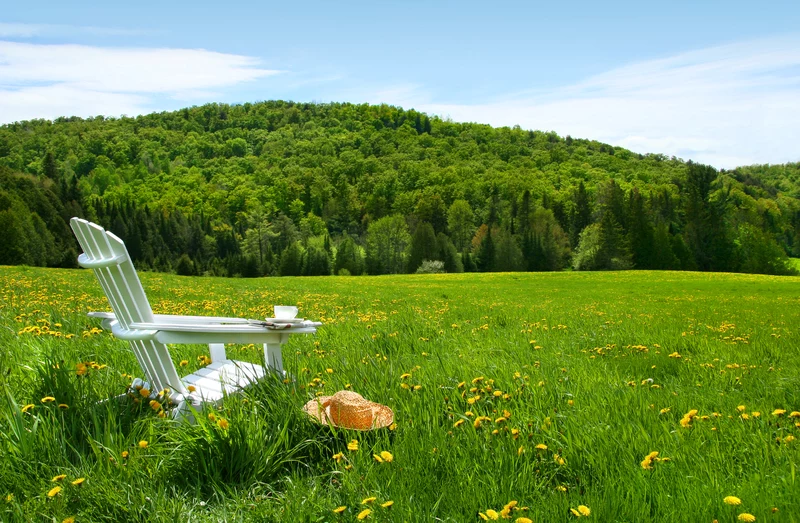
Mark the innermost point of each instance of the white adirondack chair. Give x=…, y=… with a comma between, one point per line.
x=133, y=320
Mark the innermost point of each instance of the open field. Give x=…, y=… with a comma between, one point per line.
x=597, y=370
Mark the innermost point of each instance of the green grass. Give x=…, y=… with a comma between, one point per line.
x=600, y=368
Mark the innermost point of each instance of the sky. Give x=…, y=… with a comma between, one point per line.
x=717, y=82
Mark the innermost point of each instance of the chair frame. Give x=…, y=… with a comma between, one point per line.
x=133, y=320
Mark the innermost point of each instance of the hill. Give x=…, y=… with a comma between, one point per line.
x=285, y=188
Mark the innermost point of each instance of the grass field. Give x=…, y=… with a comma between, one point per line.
x=547, y=390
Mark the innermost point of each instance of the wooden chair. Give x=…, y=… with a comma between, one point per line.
x=133, y=320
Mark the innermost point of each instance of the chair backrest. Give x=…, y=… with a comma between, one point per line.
x=106, y=254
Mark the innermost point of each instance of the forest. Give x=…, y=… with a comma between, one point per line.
x=283, y=188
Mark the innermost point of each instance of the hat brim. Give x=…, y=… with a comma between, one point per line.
x=382, y=416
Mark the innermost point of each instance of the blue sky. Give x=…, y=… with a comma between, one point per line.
x=716, y=82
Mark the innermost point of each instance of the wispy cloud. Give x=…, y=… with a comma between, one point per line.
x=14, y=30
x=728, y=105
x=46, y=81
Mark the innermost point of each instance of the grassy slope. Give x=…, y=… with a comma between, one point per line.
x=575, y=352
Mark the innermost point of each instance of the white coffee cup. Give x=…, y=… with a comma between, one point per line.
x=285, y=312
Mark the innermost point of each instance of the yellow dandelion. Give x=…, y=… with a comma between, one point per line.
x=520, y=450
x=329, y=371
x=575, y=513
x=364, y=514
x=78, y=482
x=387, y=456
x=70, y=519
x=155, y=405
x=511, y=504
x=541, y=446
x=492, y=514
x=143, y=444
x=53, y=492
x=523, y=520
x=664, y=410
x=212, y=417
x=223, y=424
x=27, y=407
x=477, y=380
x=387, y=504
x=458, y=423
x=794, y=414
x=778, y=412
x=584, y=510
x=788, y=439
x=184, y=363
x=338, y=457
x=191, y=388
x=747, y=518
x=367, y=501
x=732, y=500
x=48, y=399
x=339, y=510
x=59, y=477
x=377, y=458
x=63, y=406
x=352, y=446
x=405, y=375
x=561, y=488
x=144, y=392
x=647, y=463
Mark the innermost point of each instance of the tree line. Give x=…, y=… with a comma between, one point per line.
x=277, y=188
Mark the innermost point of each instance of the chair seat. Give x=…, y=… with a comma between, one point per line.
x=211, y=383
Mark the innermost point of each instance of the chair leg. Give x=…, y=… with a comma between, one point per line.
x=272, y=355
x=217, y=351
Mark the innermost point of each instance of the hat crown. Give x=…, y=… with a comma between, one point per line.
x=348, y=409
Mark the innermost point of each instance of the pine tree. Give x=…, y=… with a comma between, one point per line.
x=581, y=215
x=486, y=253
x=423, y=246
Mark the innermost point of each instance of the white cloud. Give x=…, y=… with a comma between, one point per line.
x=727, y=106
x=47, y=81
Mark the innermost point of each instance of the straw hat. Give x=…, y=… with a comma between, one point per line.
x=349, y=410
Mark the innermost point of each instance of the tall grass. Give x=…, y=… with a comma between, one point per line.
x=546, y=389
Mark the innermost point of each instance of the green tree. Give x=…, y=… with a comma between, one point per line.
x=292, y=260
x=461, y=223
x=316, y=262
x=387, y=241
x=349, y=257
x=423, y=246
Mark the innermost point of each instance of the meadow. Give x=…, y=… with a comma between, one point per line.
x=613, y=396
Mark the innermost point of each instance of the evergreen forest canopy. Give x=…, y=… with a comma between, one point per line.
x=280, y=188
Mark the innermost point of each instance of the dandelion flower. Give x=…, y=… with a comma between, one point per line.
x=338, y=457
x=584, y=510
x=223, y=424
x=78, y=482
x=458, y=423
x=541, y=446
x=732, y=500
x=143, y=444
x=125, y=454
x=70, y=519
x=405, y=375
x=747, y=518
x=339, y=510
x=387, y=456
x=184, y=363
x=794, y=414
x=364, y=514
x=48, y=399
x=492, y=514
x=377, y=458
x=53, y=492
x=155, y=405
x=387, y=504
x=523, y=520
x=575, y=513
x=368, y=500
x=27, y=407
x=144, y=392
x=353, y=445
x=776, y=412
x=191, y=388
